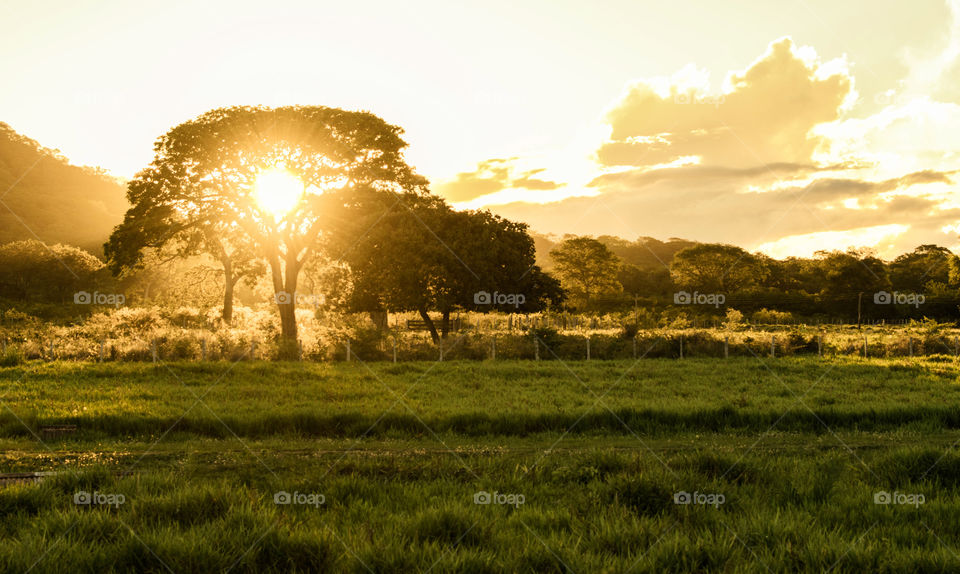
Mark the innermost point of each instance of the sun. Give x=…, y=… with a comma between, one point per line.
x=278, y=191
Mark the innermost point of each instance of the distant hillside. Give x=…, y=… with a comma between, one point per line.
x=54, y=201
x=645, y=252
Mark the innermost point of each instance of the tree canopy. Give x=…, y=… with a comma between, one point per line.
x=586, y=267
x=202, y=184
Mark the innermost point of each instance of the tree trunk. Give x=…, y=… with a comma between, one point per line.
x=433, y=328
x=229, y=282
x=445, y=324
x=379, y=319
x=285, y=292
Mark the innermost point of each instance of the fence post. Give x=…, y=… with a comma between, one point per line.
x=203, y=349
x=634, y=347
x=681, y=345
x=536, y=348
x=348, y=350
x=773, y=346
x=394, y=349
x=588, y=347
x=726, y=347
x=910, y=345
x=864, y=346
x=441, y=349
x=819, y=344
x=101, y=350
x=153, y=351
x=299, y=350
x=493, y=348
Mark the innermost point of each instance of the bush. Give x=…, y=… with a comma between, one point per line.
x=771, y=317
x=12, y=357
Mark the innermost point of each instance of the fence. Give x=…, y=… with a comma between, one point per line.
x=536, y=344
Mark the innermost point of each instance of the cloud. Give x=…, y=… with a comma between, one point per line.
x=490, y=177
x=879, y=235
x=776, y=160
x=764, y=115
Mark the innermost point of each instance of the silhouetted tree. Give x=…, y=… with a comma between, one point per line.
x=715, y=268
x=926, y=264
x=421, y=255
x=205, y=171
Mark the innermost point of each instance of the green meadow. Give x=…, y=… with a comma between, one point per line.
x=656, y=465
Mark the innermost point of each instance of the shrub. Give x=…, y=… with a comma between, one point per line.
x=11, y=357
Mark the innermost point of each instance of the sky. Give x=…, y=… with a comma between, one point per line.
x=785, y=127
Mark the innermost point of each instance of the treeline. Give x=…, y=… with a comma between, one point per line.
x=607, y=273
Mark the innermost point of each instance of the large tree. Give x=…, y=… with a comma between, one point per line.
x=206, y=171
x=715, y=268
x=154, y=227
x=416, y=253
x=586, y=267
x=926, y=264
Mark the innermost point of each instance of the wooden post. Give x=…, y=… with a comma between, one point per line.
x=726, y=347
x=681, y=345
x=394, y=349
x=493, y=348
x=536, y=348
x=441, y=349
x=348, y=350
x=634, y=347
x=819, y=344
x=588, y=347
x=773, y=346
x=910, y=345
x=153, y=351
x=864, y=346
x=203, y=349
x=101, y=350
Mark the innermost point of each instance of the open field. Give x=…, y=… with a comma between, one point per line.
x=585, y=459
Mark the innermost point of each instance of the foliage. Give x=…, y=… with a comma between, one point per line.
x=34, y=272
x=714, y=268
x=586, y=268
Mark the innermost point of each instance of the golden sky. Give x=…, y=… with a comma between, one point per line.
x=785, y=126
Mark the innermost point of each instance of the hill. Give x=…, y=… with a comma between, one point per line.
x=43, y=196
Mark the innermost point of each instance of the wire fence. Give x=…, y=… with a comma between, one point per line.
x=532, y=343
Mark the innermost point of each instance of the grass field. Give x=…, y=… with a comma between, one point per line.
x=783, y=460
